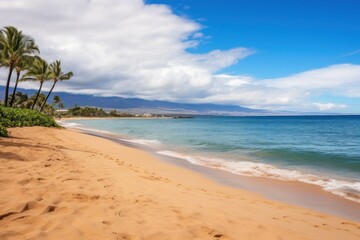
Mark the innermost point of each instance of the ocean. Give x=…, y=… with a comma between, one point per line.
x=320, y=150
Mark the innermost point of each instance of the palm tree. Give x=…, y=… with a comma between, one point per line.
x=57, y=101
x=20, y=99
x=38, y=103
x=38, y=71
x=24, y=63
x=14, y=44
x=56, y=75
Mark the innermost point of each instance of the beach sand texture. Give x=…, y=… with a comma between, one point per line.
x=61, y=184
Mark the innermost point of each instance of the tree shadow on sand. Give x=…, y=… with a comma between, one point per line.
x=10, y=156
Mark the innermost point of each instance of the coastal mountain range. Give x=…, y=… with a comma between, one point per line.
x=137, y=105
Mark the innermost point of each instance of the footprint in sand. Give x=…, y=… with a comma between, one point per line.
x=49, y=209
x=85, y=197
x=70, y=179
x=122, y=236
x=25, y=181
x=117, y=213
x=31, y=205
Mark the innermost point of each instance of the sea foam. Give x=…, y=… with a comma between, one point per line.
x=80, y=127
x=69, y=124
x=346, y=189
x=142, y=141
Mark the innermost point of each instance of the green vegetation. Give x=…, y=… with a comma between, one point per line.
x=21, y=100
x=87, y=112
x=16, y=117
x=115, y=113
x=20, y=53
x=57, y=102
x=99, y=112
x=14, y=45
x=39, y=71
x=56, y=75
x=3, y=131
x=22, y=65
x=94, y=112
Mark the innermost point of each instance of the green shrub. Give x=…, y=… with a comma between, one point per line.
x=17, y=117
x=3, y=131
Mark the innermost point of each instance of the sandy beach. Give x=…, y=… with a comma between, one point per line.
x=65, y=118
x=61, y=184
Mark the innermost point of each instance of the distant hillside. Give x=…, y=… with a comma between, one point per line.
x=137, y=105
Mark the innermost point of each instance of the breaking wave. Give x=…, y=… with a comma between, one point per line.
x=346, y=189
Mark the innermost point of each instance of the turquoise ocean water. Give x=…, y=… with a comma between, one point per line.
x=321, y=150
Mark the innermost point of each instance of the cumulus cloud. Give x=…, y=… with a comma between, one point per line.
x=132, y=49
x=120, y=47
x=249, y=91
x=288, y=93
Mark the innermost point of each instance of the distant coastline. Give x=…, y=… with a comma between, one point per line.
x=139, y=117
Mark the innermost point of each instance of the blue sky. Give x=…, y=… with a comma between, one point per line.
x=289, y=36
x=301, y=55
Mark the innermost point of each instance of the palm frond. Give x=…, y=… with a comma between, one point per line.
x=57, y=74
x=37, y=71
x=14, y=44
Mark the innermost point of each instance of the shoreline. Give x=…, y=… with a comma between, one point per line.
x=59, y=183
x=340, y=185
x=99, y=118
x=289, y=192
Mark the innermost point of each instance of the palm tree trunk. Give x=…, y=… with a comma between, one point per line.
x=13, y=95
x=8, y=85
x=47, y=97
x=37, y=95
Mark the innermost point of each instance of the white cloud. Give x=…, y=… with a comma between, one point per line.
x=329, y=106
x=198, y=35
x=342, y=76
x=120, y=47
x=131, y=49
x=248, y=91
x=288, y=93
